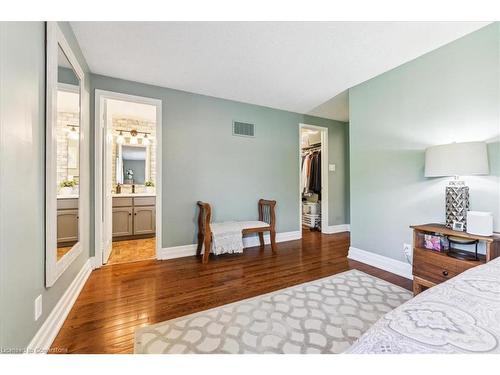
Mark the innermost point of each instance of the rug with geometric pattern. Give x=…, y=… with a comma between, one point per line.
x=321, y=316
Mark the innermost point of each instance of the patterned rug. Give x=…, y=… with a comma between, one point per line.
x=322, y=316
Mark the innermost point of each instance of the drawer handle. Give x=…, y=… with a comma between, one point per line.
x=445, y=273
x=129, y=214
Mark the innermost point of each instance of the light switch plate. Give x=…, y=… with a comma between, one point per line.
x=38, y=307
x=331, y=167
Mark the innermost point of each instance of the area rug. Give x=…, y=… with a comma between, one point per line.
x=322, y=316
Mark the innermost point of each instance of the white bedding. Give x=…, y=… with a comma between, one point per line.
x=227, y=236
x=461, y=315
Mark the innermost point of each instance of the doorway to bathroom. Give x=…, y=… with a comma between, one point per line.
x=128, y=178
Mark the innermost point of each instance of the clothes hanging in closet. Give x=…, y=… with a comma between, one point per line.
x=311, y=172
x=306, y=163
x=315, y=174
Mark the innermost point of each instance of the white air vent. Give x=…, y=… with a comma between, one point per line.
x=243, y=129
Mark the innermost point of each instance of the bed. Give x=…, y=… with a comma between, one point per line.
x=461, y=315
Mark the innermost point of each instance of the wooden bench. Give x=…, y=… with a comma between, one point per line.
x=266, y=214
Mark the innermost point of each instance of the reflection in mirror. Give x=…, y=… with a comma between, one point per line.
x=134, y=164
x=68, y=155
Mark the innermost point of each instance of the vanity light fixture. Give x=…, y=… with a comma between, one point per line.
x=133, y=137
x=73, y=134
x=120, y=139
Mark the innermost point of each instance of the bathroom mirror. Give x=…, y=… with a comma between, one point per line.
x=133, y=164
x=64, y=144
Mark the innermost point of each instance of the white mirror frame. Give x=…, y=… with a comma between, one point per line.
x=53, y=268
x=147, y=162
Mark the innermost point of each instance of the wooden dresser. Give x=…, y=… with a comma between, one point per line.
x=432, y=267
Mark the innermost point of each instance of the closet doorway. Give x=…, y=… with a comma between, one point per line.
x=313, y=178
x=128, y=178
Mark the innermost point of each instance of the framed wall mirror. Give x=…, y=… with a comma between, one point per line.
x=133, y=164
x=64, y=145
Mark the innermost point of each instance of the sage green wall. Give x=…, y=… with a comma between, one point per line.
x=203, y=161
x=22, y=181
x=448, y=95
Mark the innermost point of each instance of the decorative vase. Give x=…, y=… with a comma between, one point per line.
x=150, y=189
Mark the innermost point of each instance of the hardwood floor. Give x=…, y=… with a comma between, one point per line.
x=62, y=251
x=132, y=250
x=119, y=298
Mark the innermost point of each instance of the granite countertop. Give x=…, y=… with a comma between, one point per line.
x=131, y=195
x=121, y=195
x=68, y=196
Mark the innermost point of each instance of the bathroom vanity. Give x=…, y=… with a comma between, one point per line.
x=134, y=216
x=67, y=220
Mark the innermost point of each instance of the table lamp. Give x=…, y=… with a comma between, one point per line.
x=457, y=159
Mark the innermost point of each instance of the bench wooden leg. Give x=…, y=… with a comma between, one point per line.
x=273, y=241
x=208, y=244
x=261, y=239
x=200, y=245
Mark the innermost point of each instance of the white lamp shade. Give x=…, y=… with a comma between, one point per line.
x=120, y=139
x=73, y=134
x=457, y=159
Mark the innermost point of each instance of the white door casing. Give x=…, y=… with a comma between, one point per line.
x=324, y=176
x=103, y=203
x=107, y=236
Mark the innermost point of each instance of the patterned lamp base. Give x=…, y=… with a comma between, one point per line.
x=457, y=203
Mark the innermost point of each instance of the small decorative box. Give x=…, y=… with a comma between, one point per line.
x=432, y=242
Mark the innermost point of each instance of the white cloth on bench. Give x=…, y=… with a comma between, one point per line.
x=227, y=237
x=253, y=224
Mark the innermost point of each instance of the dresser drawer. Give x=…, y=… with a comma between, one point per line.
x=67, y=204
x=464, y=265
x=122, y=202
x=434, y=273
x=144, y=201
x=433, y=266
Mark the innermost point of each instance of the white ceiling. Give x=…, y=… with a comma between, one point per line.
x=294, y=66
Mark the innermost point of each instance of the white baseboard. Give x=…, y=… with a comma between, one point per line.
x=250, y=241
x=336, y=229
x=387, y=264
x=43, y=339
x=176, y=252
x=95, y=263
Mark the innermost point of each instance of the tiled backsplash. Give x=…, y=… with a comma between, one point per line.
x=123, y=123
x=63, y=120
